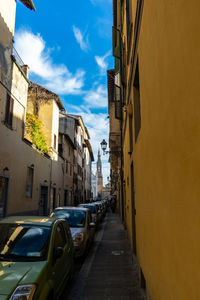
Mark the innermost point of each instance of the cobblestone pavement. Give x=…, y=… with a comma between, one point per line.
x=109, y=272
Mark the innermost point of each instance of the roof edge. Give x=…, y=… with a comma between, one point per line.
x=29, y=4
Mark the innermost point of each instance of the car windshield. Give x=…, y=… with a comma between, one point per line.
x=91, y=208
x=20, y=242
x=75, y=218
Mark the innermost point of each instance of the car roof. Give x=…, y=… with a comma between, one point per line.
x=82, y=204
x=34, y=220
x=72, y=208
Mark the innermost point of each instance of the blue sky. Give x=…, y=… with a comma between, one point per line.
x=67, y=45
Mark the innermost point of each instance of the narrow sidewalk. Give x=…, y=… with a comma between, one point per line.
x=109, y=272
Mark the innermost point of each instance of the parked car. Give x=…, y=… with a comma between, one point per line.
x=36, y=258
x=100, y=209
x=94, y=212
x=81, y=225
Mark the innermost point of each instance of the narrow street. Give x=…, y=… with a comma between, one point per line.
x=99, y=150
x=109, y=271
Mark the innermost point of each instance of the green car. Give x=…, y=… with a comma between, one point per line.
x=36, y=258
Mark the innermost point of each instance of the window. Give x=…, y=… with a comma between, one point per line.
x=3, y=195
x=80, y=171
x=123, y=71
x=130, y=134
x=137, y=113
x=67, y=230
x=60, y=149
x=24, y=242
x=54, y=197
x=117, y=102
x=9, y=111
x=29, y=182
x=66, y=169
x=89, y=219
x=127, y=19
x=70, y=170
x=54, y=143
x=60, y=237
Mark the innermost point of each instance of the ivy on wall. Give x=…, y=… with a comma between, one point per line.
x=33, y=130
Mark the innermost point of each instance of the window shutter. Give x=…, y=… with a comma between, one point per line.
x=11, y=111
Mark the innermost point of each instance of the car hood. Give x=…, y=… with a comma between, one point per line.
x=13, y=273
x=75, y=230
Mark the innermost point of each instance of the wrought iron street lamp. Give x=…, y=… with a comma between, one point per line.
x=104, y=146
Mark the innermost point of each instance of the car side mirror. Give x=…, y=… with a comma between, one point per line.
x=58, y=253
x=92, y=225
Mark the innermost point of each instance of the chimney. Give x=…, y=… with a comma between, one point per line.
x=25, y=69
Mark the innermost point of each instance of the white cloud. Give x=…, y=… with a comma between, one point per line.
x=96, y=97
x=84, y=44
x=32, y=48
x=72, y=85
x=101, y=61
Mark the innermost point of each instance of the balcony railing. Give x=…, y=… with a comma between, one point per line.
x=17, y=57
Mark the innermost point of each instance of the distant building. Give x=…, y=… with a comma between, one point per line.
x=45, y=105
x=106, y=191
x=99, y=176
x=88, y=158
x=66, y=149
x=83, y=157
x=94, y=187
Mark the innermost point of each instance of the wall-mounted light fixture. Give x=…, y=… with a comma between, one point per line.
x=104, y=146
x=32, y=166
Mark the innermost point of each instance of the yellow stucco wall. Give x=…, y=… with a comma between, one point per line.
x=127, y=186
x=166, y=155
x=46, y=116
x=18, y=156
